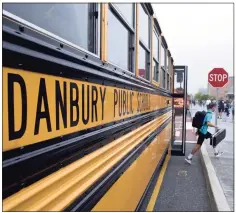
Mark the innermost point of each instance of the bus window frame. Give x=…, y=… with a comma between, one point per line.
x=168, y=81
x=163, y=79
x=163, y=68
x=156, y=27
x=168, y=66
x=157, y=61
x=172, y=74
x=139, y=41
x=121, y=16
x=47, y=33
x=131, y=29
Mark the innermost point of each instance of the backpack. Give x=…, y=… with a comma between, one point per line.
x=198, y=119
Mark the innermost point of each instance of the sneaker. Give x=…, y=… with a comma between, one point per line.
x=218, y=154
x=189, y=161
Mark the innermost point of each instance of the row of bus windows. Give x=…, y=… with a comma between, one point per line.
x=80, y=25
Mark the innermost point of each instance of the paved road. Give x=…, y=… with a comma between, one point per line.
x=224, y=164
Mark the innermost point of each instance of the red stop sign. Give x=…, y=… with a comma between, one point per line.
x=218, y=77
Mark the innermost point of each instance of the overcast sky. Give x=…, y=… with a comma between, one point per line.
x=199, y=36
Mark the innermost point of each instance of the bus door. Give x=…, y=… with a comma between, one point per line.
x=180, y=107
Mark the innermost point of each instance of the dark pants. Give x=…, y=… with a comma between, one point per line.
x=202, y=137
x=227, y=111
x=220, y=109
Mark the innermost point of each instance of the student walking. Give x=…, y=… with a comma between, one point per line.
x=220, y=108
x=227, y=108
x=204, y=134
x=232, y=111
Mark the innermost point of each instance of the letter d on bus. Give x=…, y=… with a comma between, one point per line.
x=12, y=80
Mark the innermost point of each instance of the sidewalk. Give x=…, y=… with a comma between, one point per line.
x=184, y=186
x=223, y=165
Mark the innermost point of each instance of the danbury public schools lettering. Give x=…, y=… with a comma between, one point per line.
x=52, y=105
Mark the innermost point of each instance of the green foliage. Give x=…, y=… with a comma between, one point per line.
x=198, y=96
x=202, y=97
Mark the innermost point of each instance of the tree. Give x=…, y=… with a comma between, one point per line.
x=202, y=97
x=206, y=97
x=198, y=96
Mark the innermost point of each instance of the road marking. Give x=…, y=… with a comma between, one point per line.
x=156, y=190
x=182, y=173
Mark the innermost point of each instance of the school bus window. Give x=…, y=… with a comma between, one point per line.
x=143, y=63
x=168, y=81
x=167, y=63
x=144, y=23
x=155, y=46
x=144, y=42
x=156, y=71
x=163, y=57
x=163, y=66
x=120, y=51
x=156, y=56
x=72, y=22
x=127, y=10
x=163, y=78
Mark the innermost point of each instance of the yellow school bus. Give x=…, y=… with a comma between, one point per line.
x=87, y=106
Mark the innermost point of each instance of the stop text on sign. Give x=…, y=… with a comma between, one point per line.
x=218, y=77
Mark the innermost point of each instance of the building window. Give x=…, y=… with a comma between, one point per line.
x=144, y=42
x=76, y=23
x=156, y=56
x=120, y=35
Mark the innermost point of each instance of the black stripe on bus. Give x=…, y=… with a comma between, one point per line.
x=12, y=156
x=91, y=197
x=18, y=57
x=42, y=162
x=30, y=50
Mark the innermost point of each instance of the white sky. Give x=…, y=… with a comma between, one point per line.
x=199, y=36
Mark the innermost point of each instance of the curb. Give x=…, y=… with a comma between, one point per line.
x=216, y=194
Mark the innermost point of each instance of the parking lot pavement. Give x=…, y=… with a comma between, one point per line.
x=224, y=164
